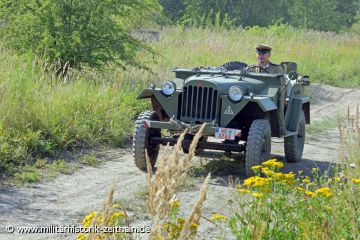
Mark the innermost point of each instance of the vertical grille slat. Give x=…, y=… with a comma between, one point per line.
x=194, y=103
x=203, y=103
x=199, y=101
x=189, y=103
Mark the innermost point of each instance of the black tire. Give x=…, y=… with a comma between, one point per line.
x=234, y=66
x=258, y=145
x=141, y=140
x=294, y=145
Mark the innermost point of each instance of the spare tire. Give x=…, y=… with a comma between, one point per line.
x=235, y=65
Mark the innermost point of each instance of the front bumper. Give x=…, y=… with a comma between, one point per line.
x=209, y=130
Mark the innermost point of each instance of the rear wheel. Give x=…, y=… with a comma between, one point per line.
x=141, y=140
x=258, y=145
x=294, y=145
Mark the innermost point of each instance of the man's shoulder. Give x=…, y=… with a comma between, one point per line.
x=274, y=64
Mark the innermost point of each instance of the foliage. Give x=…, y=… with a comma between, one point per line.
x=283, y=206
x=173, y=9
x=71, y=33
x=325, y=15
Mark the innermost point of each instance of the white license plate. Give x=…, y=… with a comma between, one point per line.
x=227, y=133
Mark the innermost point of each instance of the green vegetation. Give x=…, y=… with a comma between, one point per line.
x=324, y=15
x=89, y=160
x=42, y=113
x=28, y=174
x=72, y=33
x=322, y=126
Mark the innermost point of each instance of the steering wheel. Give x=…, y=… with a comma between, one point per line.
x=261, y=68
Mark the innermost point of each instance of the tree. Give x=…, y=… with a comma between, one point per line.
x=173, y=9
x=76, y=32
x=324, y=15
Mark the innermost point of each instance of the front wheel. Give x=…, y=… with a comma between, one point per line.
x=258, y=145
x=294, y=145
x=141, y=141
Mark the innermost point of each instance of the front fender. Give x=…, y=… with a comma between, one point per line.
x=230, y=109
x=168, y=103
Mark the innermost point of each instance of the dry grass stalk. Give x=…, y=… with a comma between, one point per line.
x=170, y=174
x=194, y=218
x=105, y=215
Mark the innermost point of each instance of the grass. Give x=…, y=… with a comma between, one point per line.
x=322, y=126
x=44, y=169
x=90, y=160
x=42, y=113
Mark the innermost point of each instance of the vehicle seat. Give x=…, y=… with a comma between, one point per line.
x=289, y=67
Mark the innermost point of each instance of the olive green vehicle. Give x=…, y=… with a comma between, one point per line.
x=243, y=110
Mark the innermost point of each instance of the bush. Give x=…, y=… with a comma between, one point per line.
x=72, y=33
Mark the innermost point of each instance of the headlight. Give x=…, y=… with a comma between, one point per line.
x=235, y=93
x=168, y=88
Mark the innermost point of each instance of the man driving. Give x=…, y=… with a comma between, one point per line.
x=263, y=53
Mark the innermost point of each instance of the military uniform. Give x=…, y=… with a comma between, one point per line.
x=269, y=68
x=272, y=69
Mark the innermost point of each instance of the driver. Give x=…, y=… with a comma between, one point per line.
x=263, y=53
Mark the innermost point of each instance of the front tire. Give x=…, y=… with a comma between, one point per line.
x=294, y=145
x=258, y=145
x=141, y=140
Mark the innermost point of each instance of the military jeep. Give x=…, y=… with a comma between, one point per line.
x=242, y=111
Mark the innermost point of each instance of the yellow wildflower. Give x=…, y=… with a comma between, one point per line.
x=306, y=180
x=218, y=217
x=310, y=193
x=242, y=190
x=314, y=170
x=255, y=168
x=87, y=220
x=324, y=191
x=194, y=227
x=265, y=189
x=257, y=195
x=256, y=181
x=299, y=189
x=356, y=180
x=279, y=175
x=101, y=236
x=175, y=203
x=273, y=163
x=81, y=236
x=337, y=179
x=267, y=171
x=289, y=178
x=116, y=205
x=115, y=216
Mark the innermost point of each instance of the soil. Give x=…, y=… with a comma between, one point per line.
x=68, y=198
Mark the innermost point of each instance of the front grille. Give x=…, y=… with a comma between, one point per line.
x=199, y=103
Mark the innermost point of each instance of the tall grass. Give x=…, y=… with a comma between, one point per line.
x=327, y=57
x=42, y=113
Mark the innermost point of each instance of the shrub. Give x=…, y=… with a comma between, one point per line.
x=70, y=33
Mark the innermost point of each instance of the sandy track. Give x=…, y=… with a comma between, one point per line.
x=68, y=198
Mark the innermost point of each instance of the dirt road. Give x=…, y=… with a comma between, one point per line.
x=65, y=200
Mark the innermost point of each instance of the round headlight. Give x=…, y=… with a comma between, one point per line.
x=235, y=93
x=168, y=88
